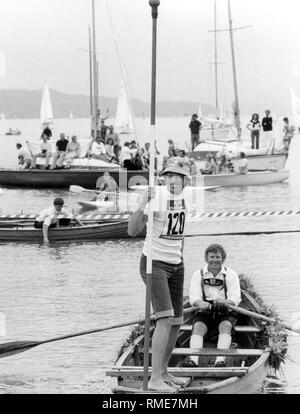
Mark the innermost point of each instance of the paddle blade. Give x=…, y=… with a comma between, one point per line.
x=76, y=189
x=12, y=348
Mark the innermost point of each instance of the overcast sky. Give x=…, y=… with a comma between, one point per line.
x=43, y=40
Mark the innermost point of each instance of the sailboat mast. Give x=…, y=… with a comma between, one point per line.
x=216, y=61
x=91, y=75
x=236, y=106
x=95, y=72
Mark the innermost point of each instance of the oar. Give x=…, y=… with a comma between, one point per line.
x=246, y=312
x=78, y=189
x=12, y=348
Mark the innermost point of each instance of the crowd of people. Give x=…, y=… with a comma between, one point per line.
x=262, y=132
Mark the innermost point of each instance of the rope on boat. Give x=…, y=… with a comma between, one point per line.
x=126, y=215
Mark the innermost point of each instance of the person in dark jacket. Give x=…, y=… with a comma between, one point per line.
x=195, y=127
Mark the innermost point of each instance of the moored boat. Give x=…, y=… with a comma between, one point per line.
x=249, y=179
x=85, y=177
x=20, y=232
x=248, y=362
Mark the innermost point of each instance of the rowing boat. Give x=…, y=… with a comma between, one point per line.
x=20, y=232
x=248, y=361
x=237, y=180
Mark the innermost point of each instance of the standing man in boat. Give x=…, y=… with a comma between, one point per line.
x=195, y=127
x=50, y=217
x=169, y=206
x=212, y=287
x=267, y=125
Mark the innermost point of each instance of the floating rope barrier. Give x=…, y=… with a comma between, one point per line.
x=126, y=215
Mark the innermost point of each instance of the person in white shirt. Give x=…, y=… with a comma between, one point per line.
x=125, y=157
x=98, y=150
x=45, y=152
x=212, y=287
x=243, y=164
x=24, y=157
x=49, y=218
x=169, y=205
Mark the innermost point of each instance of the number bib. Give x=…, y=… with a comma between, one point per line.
x=173, y=228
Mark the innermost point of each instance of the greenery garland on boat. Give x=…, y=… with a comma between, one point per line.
x=276, y=332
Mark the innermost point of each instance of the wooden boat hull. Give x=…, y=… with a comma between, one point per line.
x=21, y=233
x=236, y=180
x=247, y=364
x=64, y=178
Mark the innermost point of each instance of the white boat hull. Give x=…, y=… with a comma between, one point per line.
x=252, y=178
x=274, y=162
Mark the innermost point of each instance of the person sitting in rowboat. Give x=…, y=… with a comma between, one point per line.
x=211, y=166
x=243, y=164
x=50, y=217
x=169, y=205
x=212, y=287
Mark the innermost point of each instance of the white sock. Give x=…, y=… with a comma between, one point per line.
x=196, y=342
x=224, y=342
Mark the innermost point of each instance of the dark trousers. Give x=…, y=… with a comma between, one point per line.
x=255, y=139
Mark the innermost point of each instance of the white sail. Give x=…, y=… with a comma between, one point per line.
x=295, y=108
x=71, y=116
x=46, y=113
x=124, y=120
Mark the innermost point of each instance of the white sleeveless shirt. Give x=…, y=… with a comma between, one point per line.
x=169, y=216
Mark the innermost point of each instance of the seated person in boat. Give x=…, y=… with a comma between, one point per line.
x=116, y=141
x=24, y=157
x=50, y=217
x=61, y=152
x=103, y=130
x=72, y=151
x=289, y=131
x=225, y=165
x=45, y=152
x=243, y=164
x=171, y=149
x=193, y=166
x=108, y=189
x=169, y=205
x=165, y=162
x=126, y=156
x=98, y=151
x=110, y=150
x=211, y=166
x=212, y=287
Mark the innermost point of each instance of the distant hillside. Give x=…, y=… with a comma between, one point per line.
x=24, y=104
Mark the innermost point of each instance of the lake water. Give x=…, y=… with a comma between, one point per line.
x=64, y=288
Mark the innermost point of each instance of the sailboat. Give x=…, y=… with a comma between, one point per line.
x=71, y=116
x=262, y=159
x=124, y=119
x=46, y=113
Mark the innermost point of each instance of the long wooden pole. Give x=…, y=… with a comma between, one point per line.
x=216, y=62
x=91, y=77
x=154, y=5
x=95, y=72
x=236, y=104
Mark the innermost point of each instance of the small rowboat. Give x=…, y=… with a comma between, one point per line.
x=248, y=361
x=20, y=232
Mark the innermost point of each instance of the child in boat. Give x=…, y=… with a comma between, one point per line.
x=212, y=287
x=50, y=217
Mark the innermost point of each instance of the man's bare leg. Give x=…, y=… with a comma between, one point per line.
x=159, y=342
